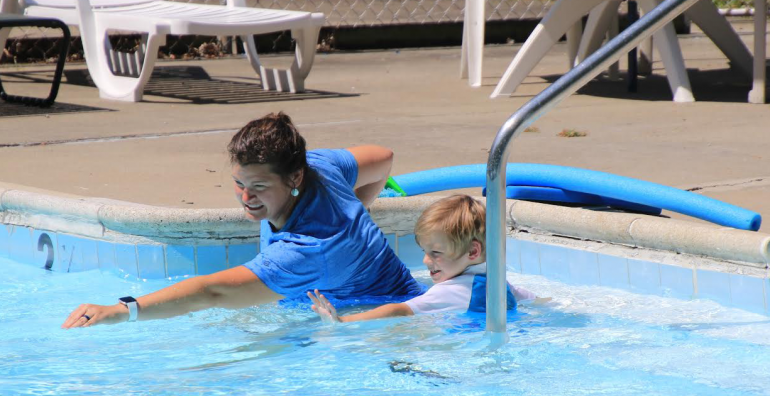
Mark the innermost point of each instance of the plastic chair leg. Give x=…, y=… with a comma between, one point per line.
x=706, y=15
x=291, y=79
x=757, y=93
x=104, y=69
x=562, y=15
x=472, y=55
x=464, y=52
x=644, y=68
x=25, y=21
x=307, y=40
x=574, y=35
x=671, y=55
x=598, y=24
x=613, y=71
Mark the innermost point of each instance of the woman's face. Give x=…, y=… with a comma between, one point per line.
x=262, y=193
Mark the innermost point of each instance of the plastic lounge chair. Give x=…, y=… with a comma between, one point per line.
x=122, y=76
x=8, y=21
x=565, y=14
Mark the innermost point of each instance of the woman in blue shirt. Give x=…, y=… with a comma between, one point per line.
x=315, y=231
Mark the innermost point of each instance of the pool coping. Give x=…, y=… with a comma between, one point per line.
x=108, y=219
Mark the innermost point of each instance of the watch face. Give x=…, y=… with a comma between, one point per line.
x=127, y=300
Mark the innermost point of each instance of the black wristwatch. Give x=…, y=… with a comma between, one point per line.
x=132, y=305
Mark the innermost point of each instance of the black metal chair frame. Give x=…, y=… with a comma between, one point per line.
x=25, y=21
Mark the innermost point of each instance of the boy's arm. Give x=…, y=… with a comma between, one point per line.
x=383, y=311
x=326, y=310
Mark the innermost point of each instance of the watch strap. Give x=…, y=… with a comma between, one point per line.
x=133, y=307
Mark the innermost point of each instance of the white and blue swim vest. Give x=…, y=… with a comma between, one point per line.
x=466, y=292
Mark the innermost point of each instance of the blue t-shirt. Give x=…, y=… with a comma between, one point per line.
x=330, y=242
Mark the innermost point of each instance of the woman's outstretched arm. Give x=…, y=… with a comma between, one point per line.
x=232, y=288
x=374, y=164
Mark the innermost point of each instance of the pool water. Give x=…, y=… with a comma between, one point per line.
x=588, y=340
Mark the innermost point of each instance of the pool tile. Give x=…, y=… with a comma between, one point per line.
x=73, y=254
x=644, y=275
x=4, y=240
x=583, y=267
x=180, y=260
x=240, y=254
x=90, y=254
x=20, y=244
x=530, y=257
x=513, y=254
x=677, y=280
x=151, y=261
x=210, y=259
x=105, y=251
x=125, y=258
x=43, y=249
x=766, y=284
x=747, y=293
x=553, y=262
x=69, y=253
x=410, y=252
x=613, y=271
x=713, y=285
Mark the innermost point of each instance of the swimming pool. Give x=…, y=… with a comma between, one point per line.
x=588, y=340
x=614, y=327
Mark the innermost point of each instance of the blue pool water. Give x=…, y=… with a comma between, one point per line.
x=588, y=340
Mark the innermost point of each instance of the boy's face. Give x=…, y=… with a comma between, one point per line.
x=440, y=260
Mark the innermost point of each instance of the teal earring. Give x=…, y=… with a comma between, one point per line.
x=294, y=192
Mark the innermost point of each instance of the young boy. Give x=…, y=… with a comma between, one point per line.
x=451, y=232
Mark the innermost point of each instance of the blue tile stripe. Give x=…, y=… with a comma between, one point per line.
x=180, y=260
x=66, y=253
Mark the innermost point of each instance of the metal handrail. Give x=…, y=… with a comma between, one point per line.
x=526, y=115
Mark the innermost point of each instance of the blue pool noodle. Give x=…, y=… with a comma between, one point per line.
x=552, y=194
x=585, y=181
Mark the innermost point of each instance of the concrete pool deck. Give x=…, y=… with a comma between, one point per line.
x=170, y=152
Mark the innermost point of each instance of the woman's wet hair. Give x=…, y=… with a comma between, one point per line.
x=271, y=140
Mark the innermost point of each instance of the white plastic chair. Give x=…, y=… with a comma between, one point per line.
x=122, y=76
x=757, y=93
x=472, y=51
x=565, y=14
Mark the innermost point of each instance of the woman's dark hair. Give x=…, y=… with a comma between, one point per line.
x=271, y=140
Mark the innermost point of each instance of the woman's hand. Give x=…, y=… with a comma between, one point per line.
x=90, y=314
x=323, y=307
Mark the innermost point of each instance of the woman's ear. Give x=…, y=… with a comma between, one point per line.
x=297, y=178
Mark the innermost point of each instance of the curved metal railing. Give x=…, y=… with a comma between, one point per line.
x=526, y=115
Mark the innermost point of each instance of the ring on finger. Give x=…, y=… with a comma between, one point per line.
x=87, y=317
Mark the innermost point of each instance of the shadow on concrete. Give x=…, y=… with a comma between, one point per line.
x=193, y=84
x=717, y=85
x=21, y=110
x=19, y=79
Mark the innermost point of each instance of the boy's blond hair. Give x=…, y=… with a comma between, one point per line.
x=460, y=217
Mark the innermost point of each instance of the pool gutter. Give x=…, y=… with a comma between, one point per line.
x=114, y=220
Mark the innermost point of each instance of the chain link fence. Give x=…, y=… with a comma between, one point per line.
x=35, y=44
